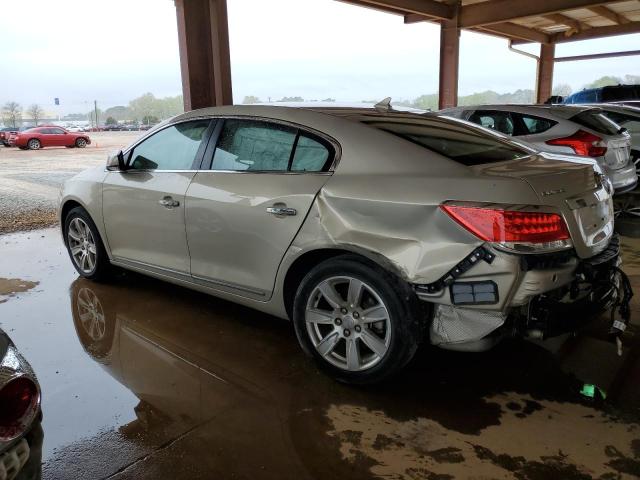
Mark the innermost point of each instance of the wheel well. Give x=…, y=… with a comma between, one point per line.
x=302, y=265
x=66, y=208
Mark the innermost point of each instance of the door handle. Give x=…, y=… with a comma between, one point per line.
x=282, y=211
x=169, y=202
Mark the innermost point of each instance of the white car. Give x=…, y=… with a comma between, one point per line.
x=74, y=129
x=568, y=129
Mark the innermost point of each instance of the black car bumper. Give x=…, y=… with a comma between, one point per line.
x=596, y=289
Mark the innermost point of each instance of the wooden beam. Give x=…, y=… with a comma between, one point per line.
x=516, y=32
x=544, y=75
x=416, y=18
x=203, y=42
x=449, y=63
x=598, y=32
x=497, y=11
x=573, y=24
x=430, y=8
x=609, y=14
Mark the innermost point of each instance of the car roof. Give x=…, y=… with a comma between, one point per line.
x=561, y=111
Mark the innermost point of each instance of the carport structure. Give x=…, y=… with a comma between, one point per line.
x=203, y=34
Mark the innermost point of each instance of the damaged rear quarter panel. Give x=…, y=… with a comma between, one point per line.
x=396, y=221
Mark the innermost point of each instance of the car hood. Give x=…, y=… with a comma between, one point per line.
x=575, y=186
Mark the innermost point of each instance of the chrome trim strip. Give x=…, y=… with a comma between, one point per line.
x=205, y=282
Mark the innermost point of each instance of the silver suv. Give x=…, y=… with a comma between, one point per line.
x=569, y=129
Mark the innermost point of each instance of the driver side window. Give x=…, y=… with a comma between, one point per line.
x=172, y=148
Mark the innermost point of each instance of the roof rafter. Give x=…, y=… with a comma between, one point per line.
x=428, y=8
x=573, y=24
x=498, y=11
x=598, y=32
x=609, y=14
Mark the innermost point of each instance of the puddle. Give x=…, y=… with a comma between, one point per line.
x=535, y=439
x=10, y=286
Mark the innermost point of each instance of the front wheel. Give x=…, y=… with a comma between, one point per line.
x=34, y=144
x=84, y=245
x=360, y=323
x=81, y=143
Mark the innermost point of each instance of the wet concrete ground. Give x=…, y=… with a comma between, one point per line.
x=142, y=379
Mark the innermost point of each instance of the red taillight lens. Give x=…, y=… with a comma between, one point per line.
x=509, y=226
x=17, y=400
x=583, y=143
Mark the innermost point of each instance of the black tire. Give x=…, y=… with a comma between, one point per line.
x=406, y=316
x=102, y=267
x=34, y=144
x=81, y=142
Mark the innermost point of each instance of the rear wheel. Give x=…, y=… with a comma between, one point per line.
x=81, y=142
x=84, y=245
x=34, y=144
x=360, y=323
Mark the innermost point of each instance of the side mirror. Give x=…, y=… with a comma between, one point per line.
x=116, y=162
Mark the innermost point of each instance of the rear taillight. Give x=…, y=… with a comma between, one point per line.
x=582, y=143
x=513, y=229
x=18, y=405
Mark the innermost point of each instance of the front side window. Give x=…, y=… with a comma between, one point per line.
x=254, y=145
x=495, y=120
x=172, y=148
x=535, y=125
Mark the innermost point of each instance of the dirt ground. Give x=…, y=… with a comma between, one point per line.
x=30, y=180
x=142, y=379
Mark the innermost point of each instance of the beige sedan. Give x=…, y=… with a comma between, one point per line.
x=371, y=229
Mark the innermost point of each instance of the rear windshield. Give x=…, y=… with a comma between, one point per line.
x=625, y=92
x=596, y=121
x=457, y=141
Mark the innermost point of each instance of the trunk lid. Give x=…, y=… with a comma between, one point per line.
x=574, y=187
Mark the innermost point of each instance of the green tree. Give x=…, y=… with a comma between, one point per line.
x=562, y=89
x=291, y=99
x=11, y=114
x=150, y=119
x=110, y=121
x=604, y=82
x=426, y=102
x=249, y=99
x=632, y=79
x=36, y=112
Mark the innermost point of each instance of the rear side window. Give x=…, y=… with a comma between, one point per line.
x=458, y=142
x=254, y=145
x=623, y=92
x=262, y=146
x=495, y=120
x=535, y=125
x=596, y=121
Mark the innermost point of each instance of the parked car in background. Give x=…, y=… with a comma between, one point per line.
x=629, y=118
x=568, y=129
x=625, y=94
x=4, y=134
x=40, y=137
x=73, y=129
x=367, y=227
x=20, y=416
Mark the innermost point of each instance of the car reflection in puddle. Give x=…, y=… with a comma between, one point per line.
x=225, y=391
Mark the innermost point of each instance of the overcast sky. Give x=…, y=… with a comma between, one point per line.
x=113, y=51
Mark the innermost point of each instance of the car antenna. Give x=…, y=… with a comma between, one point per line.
x=384, y=105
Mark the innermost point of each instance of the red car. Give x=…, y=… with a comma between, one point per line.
x=39, y=137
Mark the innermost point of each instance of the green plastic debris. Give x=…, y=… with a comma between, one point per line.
x=591, y=391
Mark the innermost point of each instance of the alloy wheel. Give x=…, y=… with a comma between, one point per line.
x=34, y=144
x=91, y=314
x=81, y=143
x=82, y=245
x=348, y=323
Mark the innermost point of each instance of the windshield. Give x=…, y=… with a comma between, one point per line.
x=456, y=140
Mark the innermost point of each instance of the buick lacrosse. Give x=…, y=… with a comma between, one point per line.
x=371, y=229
